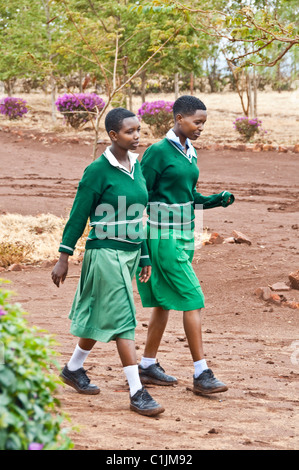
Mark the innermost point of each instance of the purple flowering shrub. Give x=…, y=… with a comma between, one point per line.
x=158, y=115
x=30, y=415
x=13, y=108
x=79, y=108
x=247, y=127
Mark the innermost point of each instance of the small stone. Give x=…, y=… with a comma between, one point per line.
x=277, y=299
x=216, y=239
x=280, y=286
x=263, y=293
x=213, y=431
x=294, y=278
x=292, y=304
x=229, y=240
x=15, y=267
x=241, y=238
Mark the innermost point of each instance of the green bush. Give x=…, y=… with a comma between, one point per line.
x=30, y=415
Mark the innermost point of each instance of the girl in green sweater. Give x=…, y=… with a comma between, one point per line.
x=171, y=172
x=112, y=194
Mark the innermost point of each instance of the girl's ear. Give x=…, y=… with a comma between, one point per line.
x=178, y=119
x=113, y=136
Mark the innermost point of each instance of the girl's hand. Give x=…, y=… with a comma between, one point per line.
x=60, y=270
x=145, y=273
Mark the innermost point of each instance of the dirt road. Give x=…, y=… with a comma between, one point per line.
x=249, y=344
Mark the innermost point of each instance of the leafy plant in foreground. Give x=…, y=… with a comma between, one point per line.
x=30, y=418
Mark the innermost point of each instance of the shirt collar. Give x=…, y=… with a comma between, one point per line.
x=176, y=140
x=114, y=162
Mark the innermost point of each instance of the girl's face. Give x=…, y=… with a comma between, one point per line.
x=192, y=126
x=128, y=136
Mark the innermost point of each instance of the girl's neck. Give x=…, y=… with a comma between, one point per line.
x=182, y=137
x=122, y=155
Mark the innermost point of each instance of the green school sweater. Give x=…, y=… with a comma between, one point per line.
x=113, y=199
x=171, y=178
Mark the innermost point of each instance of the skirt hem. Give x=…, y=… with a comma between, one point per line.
x=103, y=337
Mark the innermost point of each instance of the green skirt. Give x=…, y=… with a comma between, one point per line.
x=103, y=308
x=173, y=284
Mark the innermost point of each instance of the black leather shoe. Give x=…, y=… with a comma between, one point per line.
x=206, y=383
x=79, y=381
x=144, y=404
x=155, y=374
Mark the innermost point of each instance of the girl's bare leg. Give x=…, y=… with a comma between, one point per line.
x=156, y=328
x=193, y=330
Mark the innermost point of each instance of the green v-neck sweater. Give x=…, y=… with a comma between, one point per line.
x=113, y=200
x=171, y=178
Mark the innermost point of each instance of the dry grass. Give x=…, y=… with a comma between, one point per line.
x=278, y=112
x=29, y=239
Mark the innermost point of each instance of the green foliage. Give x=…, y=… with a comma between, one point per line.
x=29, y=410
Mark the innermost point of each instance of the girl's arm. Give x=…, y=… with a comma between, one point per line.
x=85, y=199
x=223, y=199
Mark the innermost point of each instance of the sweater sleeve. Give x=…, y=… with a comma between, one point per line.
x=85, y=199
x=151, y=176
x=144, y=257
x=214, y=200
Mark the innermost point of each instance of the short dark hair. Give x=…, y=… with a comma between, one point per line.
x=187, y=105
x=115, y=117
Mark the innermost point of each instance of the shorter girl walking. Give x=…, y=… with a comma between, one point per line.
x=112, y=194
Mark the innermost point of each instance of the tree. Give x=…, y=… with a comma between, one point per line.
x=256, y=34
x=110, y=57
x=14, y=40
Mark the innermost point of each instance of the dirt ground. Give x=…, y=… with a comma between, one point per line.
x=250, y=344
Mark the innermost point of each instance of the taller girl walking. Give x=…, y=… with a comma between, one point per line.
x=171, y=172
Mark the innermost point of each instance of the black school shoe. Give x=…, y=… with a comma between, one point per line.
x=206, y=384
x=79, y=381
x=144, y=404
x=155, y=374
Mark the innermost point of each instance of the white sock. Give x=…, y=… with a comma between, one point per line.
x=132, y=375
x=147, y=361
x=77, y=359
x=199, y=367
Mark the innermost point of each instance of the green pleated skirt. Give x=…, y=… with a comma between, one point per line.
x=173, y=284
x=103, y=308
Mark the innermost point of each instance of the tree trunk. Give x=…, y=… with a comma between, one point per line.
x=254, y=93
x=53, y=97
x=130, y=96
x=191, y=83
x=143, y=86
x=176, y=86
x=249, y=95
x=9, y=86
x=80, y=81
x=52, y=79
